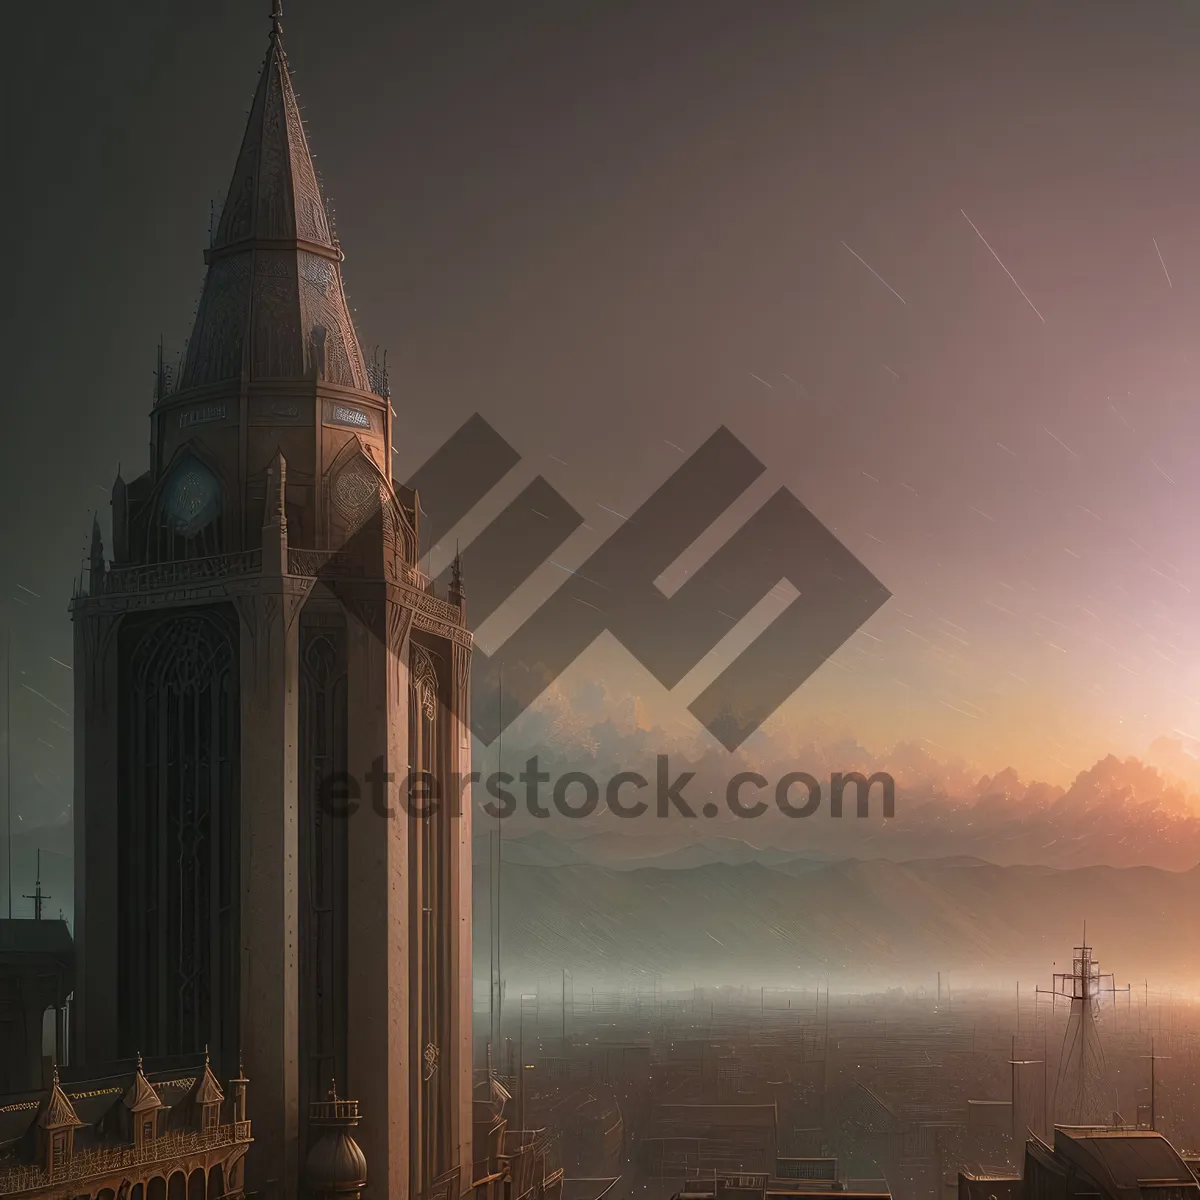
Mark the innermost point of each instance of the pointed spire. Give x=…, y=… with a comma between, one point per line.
x=274, y=264
x=120, y=517
x=275, y=510
x=96, y=560
x=457, y=594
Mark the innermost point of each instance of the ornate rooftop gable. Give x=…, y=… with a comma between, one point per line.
x=207, y=1089
x=57, y=1112
x=141, y=1096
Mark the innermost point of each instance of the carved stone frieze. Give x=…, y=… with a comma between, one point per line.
x=442, y=629
x=461, y=658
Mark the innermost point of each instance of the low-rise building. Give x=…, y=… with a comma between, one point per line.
x=165, y=1134
x=1092, y=1163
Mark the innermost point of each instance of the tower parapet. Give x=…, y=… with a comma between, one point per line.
x=336, y=1168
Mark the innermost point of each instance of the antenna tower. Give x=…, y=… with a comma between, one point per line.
x=1082, y=1091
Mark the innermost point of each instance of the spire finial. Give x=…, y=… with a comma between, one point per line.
x=276, y=17
x=56, y=1074
x=139, y=1062
x=457, y=594
x=206, y=1054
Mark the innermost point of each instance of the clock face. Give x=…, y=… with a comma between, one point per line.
x=193, y=498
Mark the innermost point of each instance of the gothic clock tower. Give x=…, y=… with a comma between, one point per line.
x=259, y=649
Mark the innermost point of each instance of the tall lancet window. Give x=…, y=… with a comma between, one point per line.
x=177, y=833
x=429, y=799
x=189, y=524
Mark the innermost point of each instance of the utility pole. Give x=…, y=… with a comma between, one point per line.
x=38, y=897
x=1016, y=1062
x=1153, y=1058
x=521, y=1064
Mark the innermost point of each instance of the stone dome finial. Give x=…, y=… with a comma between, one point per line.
x=336, y=1167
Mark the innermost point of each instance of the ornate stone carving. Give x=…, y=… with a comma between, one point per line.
x=157, y=576
x=267, y=615
x=215, y=350
x=461, y=658
x=430, y=1058
x=423, y=678
x=355, y=494
x=442, y=629
x=399, y=622
x=276, y=345
x=323, y=306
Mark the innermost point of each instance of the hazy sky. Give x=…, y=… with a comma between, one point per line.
x=938, y=265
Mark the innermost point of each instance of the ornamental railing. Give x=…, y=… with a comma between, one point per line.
x=111, y=1160
x=333, y=1110
x=316, y=563
x=151, y=576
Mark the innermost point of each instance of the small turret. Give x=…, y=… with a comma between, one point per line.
x=96, y=559
x=239, y=1092
x=274, y=527
x=56, y=1124
x=120, y=520
x=457, y=594
x=336, y=1167
x=206, y=1098
x=143, y=1104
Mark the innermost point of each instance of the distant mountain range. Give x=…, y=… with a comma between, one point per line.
x=1122, y=812
x=799, y=921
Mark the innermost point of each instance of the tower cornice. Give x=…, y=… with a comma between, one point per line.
x=333, y=253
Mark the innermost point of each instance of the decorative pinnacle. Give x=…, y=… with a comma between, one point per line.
x=139, y=1062
x=333, y=1089
x=457, y=594
x=56, y=1074
x=276, y=18
x=206, y=1054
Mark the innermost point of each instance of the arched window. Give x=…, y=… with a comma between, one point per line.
x=189, y=524
x=216, y=1183
x=429, y=799
x=177, y=857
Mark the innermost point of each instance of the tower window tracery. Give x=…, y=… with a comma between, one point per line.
x=190, y=511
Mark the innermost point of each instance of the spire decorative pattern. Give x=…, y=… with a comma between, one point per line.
x=273, y=303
